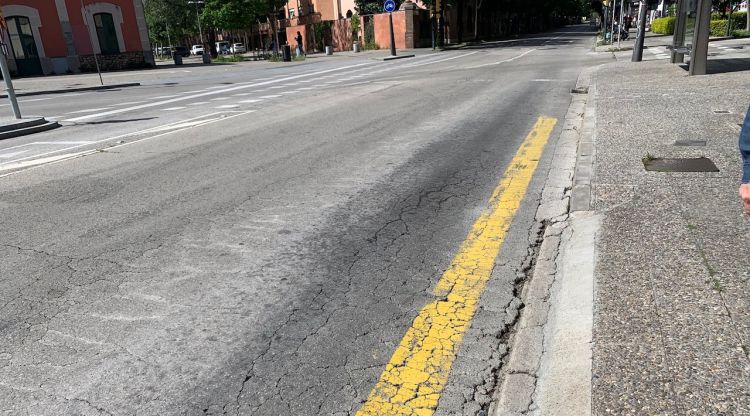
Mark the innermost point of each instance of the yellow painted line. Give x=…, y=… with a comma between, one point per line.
x=418, y=370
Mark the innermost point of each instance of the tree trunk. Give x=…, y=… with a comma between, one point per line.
x=460, y=18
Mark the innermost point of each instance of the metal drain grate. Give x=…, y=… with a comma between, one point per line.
x=701, y=164
x=722, y=112
x=690, y=143
x=580, y=90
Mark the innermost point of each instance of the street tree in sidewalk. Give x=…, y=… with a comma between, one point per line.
x=169, y=20
x=370, y=6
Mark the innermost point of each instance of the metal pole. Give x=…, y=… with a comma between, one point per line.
x=9, y=86
x=393, y=36
x=91, y=41
x=638, y=48
x=612, y=31
x=619, y=27
x=699, y=52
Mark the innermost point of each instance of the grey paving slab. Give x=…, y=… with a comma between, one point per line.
x=670, y=327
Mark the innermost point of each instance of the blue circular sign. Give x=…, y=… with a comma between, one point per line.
x=389, y=6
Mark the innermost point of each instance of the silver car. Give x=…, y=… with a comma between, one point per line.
x=238, y=48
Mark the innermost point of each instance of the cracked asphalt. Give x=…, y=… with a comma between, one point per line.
x=271, y=263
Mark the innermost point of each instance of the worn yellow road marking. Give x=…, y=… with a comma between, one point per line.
x=416, y=373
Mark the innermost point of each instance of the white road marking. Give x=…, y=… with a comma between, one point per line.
x=173, y=108
x=250, y=101
x=12, y=154
x=265, y=97
x=89, y=110
x=220, y=99
x=203, y=119
x=36, y=99
x=441, y=60
x=132, y=103
x=199, y=103
x=242, y=94
x=65, y=142
x=161, y=97
x=290, y=92
x=503, y=61
x=275, y=87
x=225, y=106
x=306, y=88
x=316, y=75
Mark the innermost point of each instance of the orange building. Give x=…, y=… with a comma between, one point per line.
x=45, y=37
x=328, y=9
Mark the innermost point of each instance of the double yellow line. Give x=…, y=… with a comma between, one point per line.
x=418, y=370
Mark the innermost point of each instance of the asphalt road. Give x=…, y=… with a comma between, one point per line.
x=262, y=247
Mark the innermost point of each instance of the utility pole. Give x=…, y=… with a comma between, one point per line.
x=9, y=84
x=638, y=47
x=91, y=41
x=6, y=73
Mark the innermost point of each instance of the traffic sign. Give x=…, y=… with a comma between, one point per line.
x=389, y=6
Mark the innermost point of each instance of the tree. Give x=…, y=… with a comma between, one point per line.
x=169, y=19
x=369, y=6
x=232, y=14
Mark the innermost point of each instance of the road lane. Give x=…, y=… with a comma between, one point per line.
x=270, y=264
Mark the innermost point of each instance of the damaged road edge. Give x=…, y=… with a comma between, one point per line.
x=548, y=368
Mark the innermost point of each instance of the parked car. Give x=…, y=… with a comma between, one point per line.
x=197, y=50
x=222, y=47
x=164, y=51
x=238, y=48
x=181, y=51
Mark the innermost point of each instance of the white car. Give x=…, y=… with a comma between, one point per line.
x=196, y=50
x=238, y=48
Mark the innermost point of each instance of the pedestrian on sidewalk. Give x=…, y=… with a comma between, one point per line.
x=298, y=38
x=745, y=152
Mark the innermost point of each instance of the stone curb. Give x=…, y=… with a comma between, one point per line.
x=27, y=126
x=66, y=90
x=580, y=195
x=520, y=372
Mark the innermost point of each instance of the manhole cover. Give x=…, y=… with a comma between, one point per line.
x=690, y=143
x=701, y=164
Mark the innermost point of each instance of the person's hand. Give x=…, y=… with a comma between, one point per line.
x=745, y=196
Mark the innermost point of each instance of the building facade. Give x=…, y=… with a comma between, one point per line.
x=43, y=37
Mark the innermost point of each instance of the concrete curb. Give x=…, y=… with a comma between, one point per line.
x=580, y=196
x=63, y=91
x=26, y=126
x=527, y=369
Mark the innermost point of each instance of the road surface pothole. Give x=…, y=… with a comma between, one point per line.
x=700, y=164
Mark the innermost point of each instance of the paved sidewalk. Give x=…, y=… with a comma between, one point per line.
x=645, y=287
x=672, y=304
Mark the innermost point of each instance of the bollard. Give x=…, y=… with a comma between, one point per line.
x=329, y=50
x=177, y=58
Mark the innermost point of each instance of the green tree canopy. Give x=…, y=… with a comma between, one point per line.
x=169, y=19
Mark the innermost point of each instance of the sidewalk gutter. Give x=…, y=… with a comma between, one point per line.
x=77, y=89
